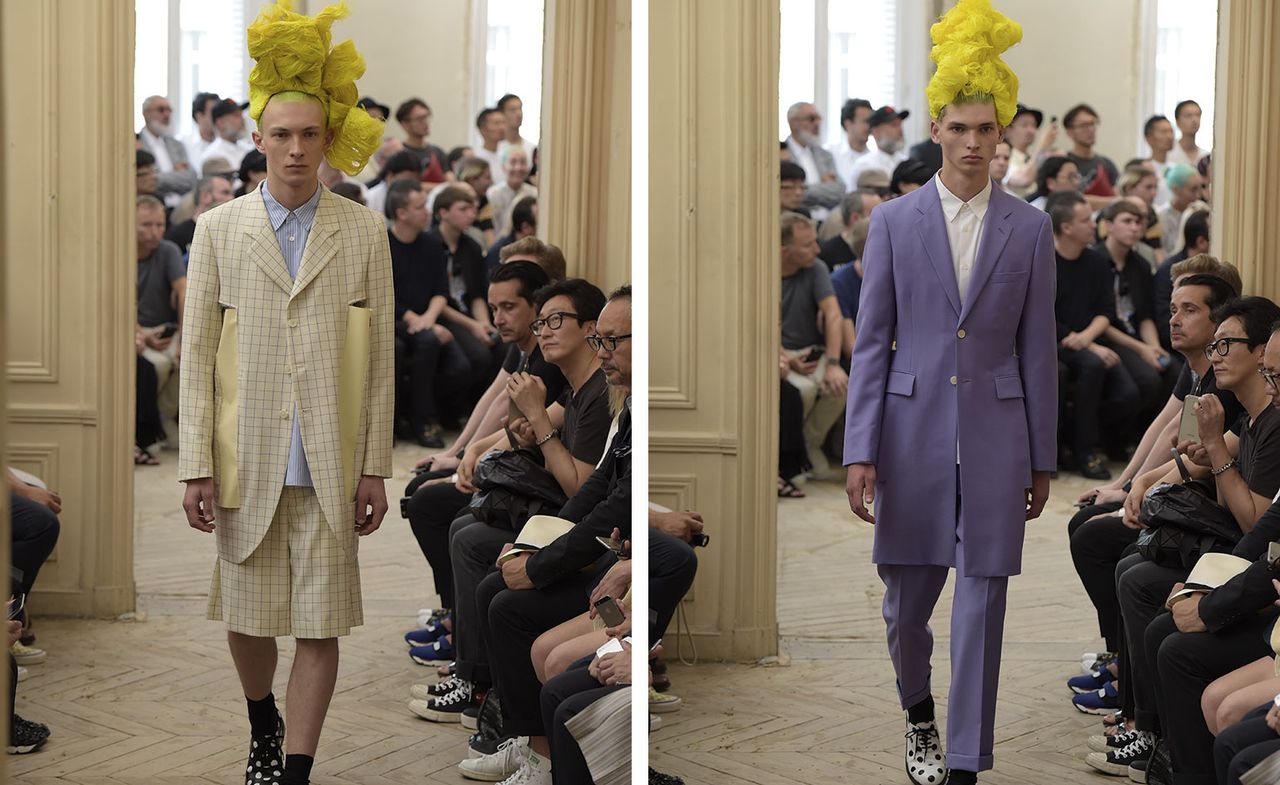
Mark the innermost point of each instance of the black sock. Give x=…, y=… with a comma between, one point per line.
x=263, y=718
x=921, y=712
x=962, y=777
x=297, y=769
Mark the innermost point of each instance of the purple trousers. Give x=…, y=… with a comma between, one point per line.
x=977, y=631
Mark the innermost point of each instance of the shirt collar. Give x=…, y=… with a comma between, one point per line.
x=278, y=213
x=951, y=203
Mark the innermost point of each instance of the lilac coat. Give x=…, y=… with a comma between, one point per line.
x=927, y=371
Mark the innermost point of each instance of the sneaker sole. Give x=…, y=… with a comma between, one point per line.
x=482, y=776
x=1099, y=761
x=437, y=716
x=23, y=749
x=1137, y=775
x=665, y=708
x=1100, y=711
x=473, y=723
x=30, y=659
x=421, y=661
x=1099, y=744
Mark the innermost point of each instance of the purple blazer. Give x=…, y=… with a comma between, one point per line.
x=928, y=371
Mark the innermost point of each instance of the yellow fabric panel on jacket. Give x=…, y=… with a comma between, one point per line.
x=226, y=439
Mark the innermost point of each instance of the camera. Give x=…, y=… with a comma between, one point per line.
x=700, y=540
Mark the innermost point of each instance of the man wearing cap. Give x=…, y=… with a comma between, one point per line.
x=886, y=129
x=202, y=135
x=232, y=143
x=953, y=398
x=823, y=188
x=1024, y=151
x=287, y=392
x=847, y=151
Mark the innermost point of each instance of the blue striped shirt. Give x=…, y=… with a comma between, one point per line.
x=292, y=227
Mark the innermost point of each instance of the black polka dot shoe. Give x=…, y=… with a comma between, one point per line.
x=925, y=762
x=266, y=757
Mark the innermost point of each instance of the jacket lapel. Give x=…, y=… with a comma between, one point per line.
x=322, y=245
x=263, y=248
x=995, y=234
x=933, y=233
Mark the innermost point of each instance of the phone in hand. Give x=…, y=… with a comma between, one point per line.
x=814, y=354
x=168, y=331
x=613, y=545
x=1189, y=427
x=1273, y=555
x=610, y=611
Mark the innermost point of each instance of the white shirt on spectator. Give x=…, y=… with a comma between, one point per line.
x=1179, y=156
x=846, y=157
x=494, y=159
x=234, y=152
x=503, y=200
x=876, y=159
x=196, y=147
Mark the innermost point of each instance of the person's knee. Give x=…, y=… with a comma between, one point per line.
x=1210, y=705
x=1231, y=709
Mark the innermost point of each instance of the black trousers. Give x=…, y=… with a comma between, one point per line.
x=13, y=692
x=1153, y=386
x=432, y=509
x=34, y=529
x=513, y=620
x=475, y=547
x=1244, y=745
x=425, y=368
x=1142, y=587
x=793, y=458
x=1104, y=397
x=483, y=361
x=672, y=567
x=1183, y=665
x=563, y=698
x=1096, y=549
x=147, y=429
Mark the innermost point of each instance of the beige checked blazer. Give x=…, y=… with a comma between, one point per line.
x=255, y=342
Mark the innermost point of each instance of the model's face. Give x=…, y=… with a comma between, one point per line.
x=968, y=134
x=1240, y=366
x=999, y=166
x=803, y=249
x=292, y=136
x=1161, y=137
x=1083, y=129
x=560, y=343
x=517, y=167
x=791, y=195
x=150, y=229
x=1126, y=229
x=1189, y=119
x=1190, y=326
x=615, y=320
x=1067, y=179
x=512, y=314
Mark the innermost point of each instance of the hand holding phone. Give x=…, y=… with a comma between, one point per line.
x=609, y=611
x=1188, y=426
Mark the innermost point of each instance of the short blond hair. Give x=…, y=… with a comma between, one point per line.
x=1204, y=264
x=550, y=258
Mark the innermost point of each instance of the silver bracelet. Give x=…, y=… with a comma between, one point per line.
x=1229, y=464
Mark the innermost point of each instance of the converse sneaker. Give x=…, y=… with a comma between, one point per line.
x=26, y=736
x=663, y=703
x=266, y=758
x=534, y=770
x=1116, y=762
x=446, y=708
x=439, y=689
x=1109, y=743
x=470, y=718
x=27, y=655
x=503, y=763
x=924, y=761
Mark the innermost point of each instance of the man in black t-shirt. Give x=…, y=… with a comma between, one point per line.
x=1106, y=396
x=1098, y=173
x=429, y=363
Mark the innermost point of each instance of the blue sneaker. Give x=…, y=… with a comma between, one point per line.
x=429, y=633
x=1090, y=682
x=436, y=652
x=1103, y=701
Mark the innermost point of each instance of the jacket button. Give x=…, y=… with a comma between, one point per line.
x=960, y=333
x=953, y=380
x=284, y=413
x=293, y=322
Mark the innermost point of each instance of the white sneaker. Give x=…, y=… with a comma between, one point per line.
x=534, y=770
x=23, y=673
x=498, y=766
x=655, y=722
x=663, y=702
x=27, y=655
x=924, y=760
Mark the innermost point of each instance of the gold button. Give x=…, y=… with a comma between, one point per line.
x=293, y=322
x=959, y=333
x=953, y=380
x=288, y=369
x=284, y=413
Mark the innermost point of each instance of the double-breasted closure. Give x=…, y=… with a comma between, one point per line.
x=930, y=372
x=256, y=343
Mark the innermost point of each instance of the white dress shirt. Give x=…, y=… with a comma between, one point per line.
x=964, y=229
x=845, y=157
x=876, y=159
x=234, y=152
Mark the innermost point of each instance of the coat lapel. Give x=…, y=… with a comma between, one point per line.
x=995, y=234
x=263, y=248
x=933, y=232
x=322, y=245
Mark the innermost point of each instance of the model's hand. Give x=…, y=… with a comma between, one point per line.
x=371, y=504
x=197, y=502
x=861, y=489
x=1210, y=418
x=1037, y=494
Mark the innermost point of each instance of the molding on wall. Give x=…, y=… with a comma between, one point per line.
x=683, y=442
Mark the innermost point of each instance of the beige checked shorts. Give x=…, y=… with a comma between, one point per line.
x=299, y=582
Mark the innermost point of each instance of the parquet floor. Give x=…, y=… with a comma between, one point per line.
x=155, y=699
x=827, y=712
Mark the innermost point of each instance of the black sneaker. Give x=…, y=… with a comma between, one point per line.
x=1159, y=770
x=1138, y=771
x=266, y=758
x=429, y=436
x=471, y=717
x=1092, y=468
x=26, y=736
x=1102, y=743
x=658, y=778
x=1117, y=762
x=446, y=708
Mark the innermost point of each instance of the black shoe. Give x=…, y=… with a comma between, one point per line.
x=266, y=757
x=403, y=430
x=1092, y=468
x=1159, y=769
x=658, y=778
x=429, y=436
x=26, y=736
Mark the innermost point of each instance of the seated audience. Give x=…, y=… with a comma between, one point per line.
x=847, y=283
x=211, y=191
x=503, y=196
x=791, y=193
x=846, y=152
x=1187, y=115
x=998, y=169
x=531, y=249
x=908, y=176
x=491, y=124
x=202, y=133
x=886, y=129
x=233, y=143
x=414, y=117
x=1098, y=173
x=524, y=223
x=1025, y=150
x=1195, y=241
x=175, y=174
x=1056, y=173
x=146, y=179
x=404, y=165
x=823, y=189
x=252, y=171
x=162, y=288
x=1186, y=186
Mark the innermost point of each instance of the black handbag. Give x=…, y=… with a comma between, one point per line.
x=513, y=486
x=1184, y=522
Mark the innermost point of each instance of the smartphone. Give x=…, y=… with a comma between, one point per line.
x=814, y=354
x=612, y=646
x=168, y=331
x=612, y=545
x=1273, y=555
x=1189, y=427
x=610, y=611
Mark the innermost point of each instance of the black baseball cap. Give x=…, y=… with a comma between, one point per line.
x=1035, y=113
x=226, y=107
x=885, y=114
x=369, y=102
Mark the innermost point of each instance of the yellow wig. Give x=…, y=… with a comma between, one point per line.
x=293, y=55
x=967, y=43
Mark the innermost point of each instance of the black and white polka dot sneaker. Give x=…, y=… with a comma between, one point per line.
x=266, y=757
x=925, y=762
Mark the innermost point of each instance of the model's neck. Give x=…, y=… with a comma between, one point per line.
x=404, y=233
x=964, y=186
x=293, y=197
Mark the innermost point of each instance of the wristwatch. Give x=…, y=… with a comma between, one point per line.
x=833, y=360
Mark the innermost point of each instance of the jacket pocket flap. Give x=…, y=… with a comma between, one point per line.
x=1008, y=387
x=901, y=383
x=1014, y=275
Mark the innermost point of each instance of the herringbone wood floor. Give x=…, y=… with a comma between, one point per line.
x=828, y=711
x=155, y=699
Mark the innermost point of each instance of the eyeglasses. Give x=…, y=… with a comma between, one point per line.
x=1222, y=346
x=1270, y=377
x=552, y=321
x=609, y=342
x=1085, y=126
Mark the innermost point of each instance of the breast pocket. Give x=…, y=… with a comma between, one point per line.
x=1009, y=277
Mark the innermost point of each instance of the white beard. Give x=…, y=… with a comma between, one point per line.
x=157, y=130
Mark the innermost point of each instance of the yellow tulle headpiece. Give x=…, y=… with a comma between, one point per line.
x=967, y=43
x=293, y=54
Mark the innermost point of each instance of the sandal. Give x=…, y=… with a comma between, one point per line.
x=143, y=458
x=788, y=489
